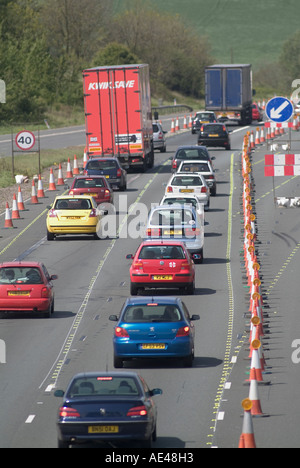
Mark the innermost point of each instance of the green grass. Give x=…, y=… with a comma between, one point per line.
x=28, y=164
x=239, y=31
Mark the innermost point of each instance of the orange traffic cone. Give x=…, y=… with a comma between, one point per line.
x=247, y=439
x=75, y=166
x=60, y=179
x=21, y=206
x=254, y=397
x=15, y=212
x=34, y=198
x=190, y=121
x=173, y=127
x=52, y=185
x=177, y=128
x=184, y=123
x=40, y=192
x=257, y=139
x=262, y=135
x=69, y=170
x=8, y=221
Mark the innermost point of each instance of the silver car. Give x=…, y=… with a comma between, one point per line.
x=159, y=139
x=195, y=184
x=202, y=167
x=178, y=222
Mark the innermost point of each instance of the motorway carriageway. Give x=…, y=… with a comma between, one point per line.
x=200, y=407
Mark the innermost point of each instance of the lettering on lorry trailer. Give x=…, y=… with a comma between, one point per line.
x=111, y=85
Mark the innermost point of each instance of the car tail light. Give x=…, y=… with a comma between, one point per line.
x=46, y=292
x=85, y=172
x=66, y=412
x=137, y=411
x=119, y=173
x=183, y=331
x=52, y=214
x=192, y=232
x=93, y=213
x=155, y=232
x=224, y=128
x=174, y=164
x=121, y=332
x=138, y=265
x=202, y=128
x=107, y=193
x=169, y=189
x=185, y=265
x=203, y=189
x=71, y=192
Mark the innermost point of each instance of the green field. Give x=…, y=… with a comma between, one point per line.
x=239, y=31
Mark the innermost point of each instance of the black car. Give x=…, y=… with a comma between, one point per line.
x=201, y=118
x=190, y=152
x=111, y=168
x=105, y=407
x=214, y=134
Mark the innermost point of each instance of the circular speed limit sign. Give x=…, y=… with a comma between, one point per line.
x=25, y=140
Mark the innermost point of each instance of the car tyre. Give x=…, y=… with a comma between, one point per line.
x=188, y=361
x=118, y=362
x=62, y=444
x=133, y=290
x=50, y=236
x=190, y=289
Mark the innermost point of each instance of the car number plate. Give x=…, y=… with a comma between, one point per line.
x=18, y=293
x=162, y=277
x=73, y=217
x=186, y=190
x=213, y=135
x=107, y=176
x=103, y=429
x=172, y=232
x=91, y=194
x=153, y=346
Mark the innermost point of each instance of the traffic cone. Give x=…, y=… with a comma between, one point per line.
x=184, y=123
x=177, y=128
x=247, y=439
x=21, y=206
x=255, y=366
x=15, y=212
x=69, y=170
x=40, y=191
x=262, y=135
x=52, y=185
x=8, y=221
x=190, y=121
x=254, y=397
x=34, y=198
x=252, y=144
x=60, y=179
x=75, y=166
x=257, y=139
x=173, y=126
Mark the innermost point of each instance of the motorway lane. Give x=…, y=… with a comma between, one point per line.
x=79, y=335
x=278, y=245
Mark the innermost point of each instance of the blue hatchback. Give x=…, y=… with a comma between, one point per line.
x=110, y=168
x=154, y=327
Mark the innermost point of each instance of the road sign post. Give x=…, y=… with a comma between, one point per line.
x=25, y=141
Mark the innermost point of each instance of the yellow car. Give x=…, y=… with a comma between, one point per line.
x=73, y=215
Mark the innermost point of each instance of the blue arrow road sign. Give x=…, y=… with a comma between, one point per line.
x=279, y=109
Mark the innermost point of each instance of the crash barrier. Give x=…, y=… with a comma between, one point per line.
x=257, y=371
x=13, y=214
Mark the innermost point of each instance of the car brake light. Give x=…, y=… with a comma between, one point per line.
x=203, y=189
x=185, y=265
x=52, y=214
x=119, y=173
x=138, y=265
x=71, y=192
x=85, y=172
x=191, y=232
x=155, y=232
x=93, y=213
x=66, y=412
x=137, y=411
x=45, y=292
x=107, y=193
x=183, y=331
x=174, y=165
x=121, y=332
x=169, y=189
x=224, y=128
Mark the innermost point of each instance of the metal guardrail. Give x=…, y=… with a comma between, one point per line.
x=175, y=108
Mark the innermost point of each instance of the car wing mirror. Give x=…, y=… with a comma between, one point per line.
x=195, y=317
x=53, y=277
x=113, y=318
x=59, y=393
x=156, y=391
x=129, y=256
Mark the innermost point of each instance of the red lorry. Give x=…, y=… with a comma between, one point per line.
x=118, y=117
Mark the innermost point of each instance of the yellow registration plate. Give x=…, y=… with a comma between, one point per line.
x=162, y=277
x=186, y=190
x=172, y=232
x=153, y=346
x=73, y=217
x=91, y=194
x=103, y=429
x=18, y=293
x=213, y=135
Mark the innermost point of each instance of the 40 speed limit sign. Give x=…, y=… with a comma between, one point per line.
x=25, y=140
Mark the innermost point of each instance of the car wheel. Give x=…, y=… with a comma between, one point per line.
x=190, y=289
x=133, y=290
x=118, y=362
x=154, y=434
x=146, y=443
x=50, y=236
x=62, y=444
x=188, y=361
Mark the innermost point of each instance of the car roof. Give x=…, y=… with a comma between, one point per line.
x=188, y=161
x=20, y=264
x=162, y=242
x=96, y=176
x=167, y=207
x=103, y=158
x=190, y=147
x=105, y=374
x=67, y=197
x=153, y=300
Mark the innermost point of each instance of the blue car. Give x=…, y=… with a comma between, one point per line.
x=154, y=327
x=110, y=168
x=107, y=407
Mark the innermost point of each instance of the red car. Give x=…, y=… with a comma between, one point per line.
x=26, y=287
x=96, y=186
x=162, y=264
x=256, y=112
